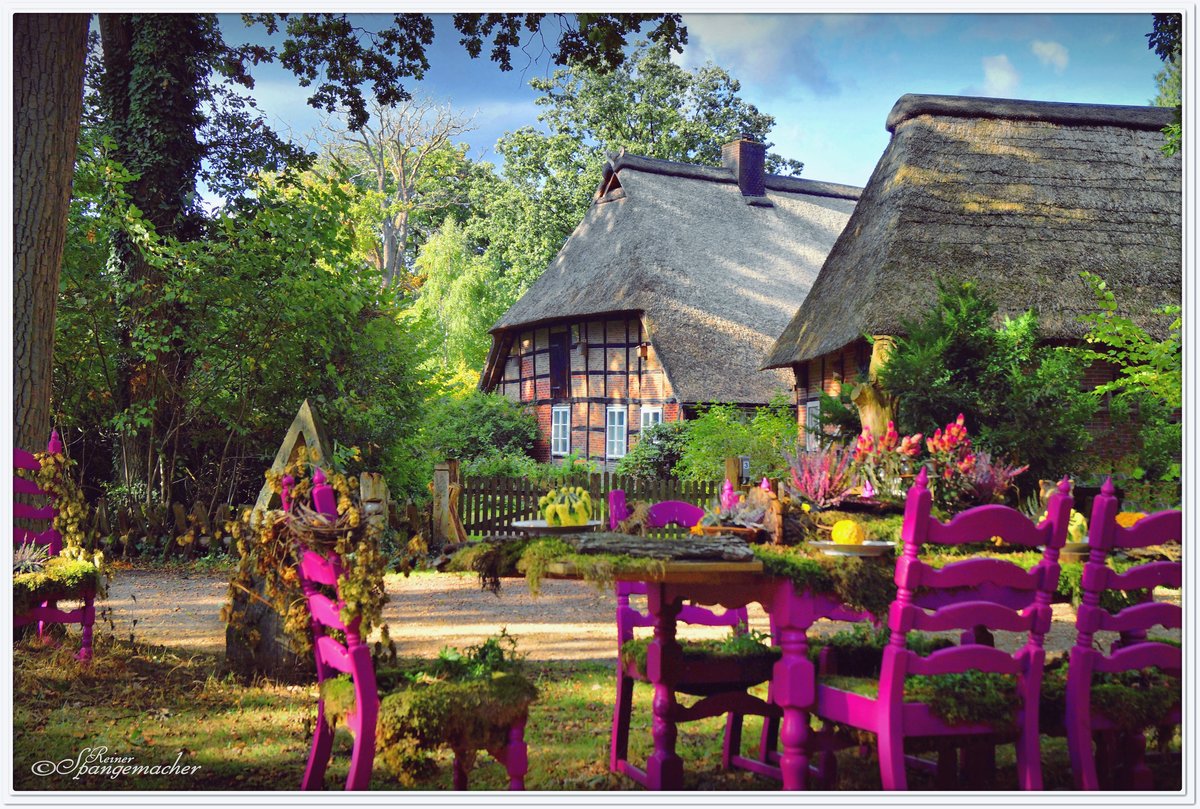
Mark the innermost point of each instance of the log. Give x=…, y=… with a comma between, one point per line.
x=695, y=548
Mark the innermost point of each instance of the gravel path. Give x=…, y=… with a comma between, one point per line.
x=569, y=620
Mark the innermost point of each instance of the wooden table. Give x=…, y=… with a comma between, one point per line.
x=731, y=585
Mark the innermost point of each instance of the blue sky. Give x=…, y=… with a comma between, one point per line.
x=829, y=80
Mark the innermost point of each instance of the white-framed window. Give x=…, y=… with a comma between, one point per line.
x=615, y=432
x=812, y=421
x=651, y=416
x=560, y=430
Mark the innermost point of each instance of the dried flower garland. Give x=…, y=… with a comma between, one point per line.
x=269, y=544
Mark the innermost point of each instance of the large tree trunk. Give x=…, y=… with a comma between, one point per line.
x=150, y=90
x=48, y=58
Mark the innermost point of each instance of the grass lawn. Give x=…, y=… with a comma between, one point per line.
x=159, y=706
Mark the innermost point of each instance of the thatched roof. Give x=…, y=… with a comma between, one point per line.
x=1020, y=196
x=716, y=279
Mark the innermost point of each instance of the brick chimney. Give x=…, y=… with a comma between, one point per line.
x=745, y=159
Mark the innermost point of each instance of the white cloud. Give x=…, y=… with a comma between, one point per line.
x=1050, y=53
x=761, y=49
x=1000, y=78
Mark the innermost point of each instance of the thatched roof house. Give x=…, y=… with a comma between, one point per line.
x=1020, y=196
x=695, y=268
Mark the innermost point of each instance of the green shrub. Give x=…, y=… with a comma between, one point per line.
x=1023, y=400
x=657, y=453
x=1148, y=390
x=721, y=431
x=477, y=426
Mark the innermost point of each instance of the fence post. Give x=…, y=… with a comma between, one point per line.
x=441, y=505
x=733, y=471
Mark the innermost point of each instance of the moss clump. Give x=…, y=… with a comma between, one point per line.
x=861, y=583
x=956, y=699
x=492, y=560
x=463, y=701
x=745, y=645
x=858, y=651
x=599, y=569
x=60, y=577
x=1132, y=700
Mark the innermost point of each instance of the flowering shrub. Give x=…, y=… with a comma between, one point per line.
x=884, y=462
x=823, y=478
x=958, y=476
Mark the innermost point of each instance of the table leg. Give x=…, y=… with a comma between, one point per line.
x=664, y=769
x=794, y=691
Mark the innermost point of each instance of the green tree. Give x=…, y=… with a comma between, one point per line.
x=476, y=426
x=1166, y=40
x=158, y=58
x=657, y=452
x=1149, y=382
x=409, y=170
x=648, y=105
x=721, y=431
x=48, y=69
x=1020, y=399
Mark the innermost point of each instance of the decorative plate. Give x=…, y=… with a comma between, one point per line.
x=872, y=547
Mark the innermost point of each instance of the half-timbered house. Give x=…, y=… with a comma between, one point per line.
x=1017, y=196
x=666, y=296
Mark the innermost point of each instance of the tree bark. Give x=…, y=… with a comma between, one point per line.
x=48, y=59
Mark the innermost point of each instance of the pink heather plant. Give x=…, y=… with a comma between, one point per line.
x=990, y=480
x=824, y=477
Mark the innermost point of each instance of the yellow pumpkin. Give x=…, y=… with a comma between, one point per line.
x=848, y=532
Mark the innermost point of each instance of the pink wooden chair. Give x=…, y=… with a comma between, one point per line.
x=987, y=592
x=48, y=612
x=319, y=573
x=1132, y=651
x=721, y=685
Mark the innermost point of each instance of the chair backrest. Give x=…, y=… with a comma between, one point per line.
x=988, y=592
x=1104, y=536
x=38, y=515
x=660, y=515
x=673, y=512
x=316, y=573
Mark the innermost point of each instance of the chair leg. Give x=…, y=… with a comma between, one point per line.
x=768, y=742
x=318, y=756
x=362, y=755
x=891, y=762
x=622, y=710
x=1079, y=732
x=1140, y=777
x=516, y=755
x=460, y=774
x=733, y=739
x=946, y=776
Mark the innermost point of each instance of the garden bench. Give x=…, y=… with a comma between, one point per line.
x=36, y=592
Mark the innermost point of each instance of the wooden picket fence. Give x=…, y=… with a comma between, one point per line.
x=129, y=530
x=489, y=505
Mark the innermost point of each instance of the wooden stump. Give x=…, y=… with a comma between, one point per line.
x=259, y=646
